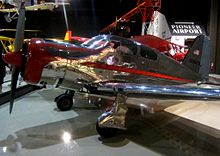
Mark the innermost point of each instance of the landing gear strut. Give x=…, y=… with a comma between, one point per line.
x=65, y=101
x=110, y=122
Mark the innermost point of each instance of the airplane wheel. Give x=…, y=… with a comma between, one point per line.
x=106, y=132
x=64, y=102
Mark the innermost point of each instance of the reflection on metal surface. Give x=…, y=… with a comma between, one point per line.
x=72, y=71
x=115, y=118
x=145, y=108
x=180, y=90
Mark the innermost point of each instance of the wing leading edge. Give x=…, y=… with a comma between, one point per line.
x=115, y=118
x=174, y=91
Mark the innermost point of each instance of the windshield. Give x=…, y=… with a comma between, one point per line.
x=96, y=42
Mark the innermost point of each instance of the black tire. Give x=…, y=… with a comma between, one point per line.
x=106, y=132
x=64, y=102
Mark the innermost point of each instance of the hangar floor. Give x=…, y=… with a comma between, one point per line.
x=37, y=127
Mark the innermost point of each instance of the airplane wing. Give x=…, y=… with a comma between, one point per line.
x=26, y=30
x=185, y=91
x=3, y=38
x=7, y=43
x=147, y=98
x=9, y=10
x=125, y=17
x=43, y=6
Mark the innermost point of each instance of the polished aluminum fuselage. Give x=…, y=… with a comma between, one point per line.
x=129, y=62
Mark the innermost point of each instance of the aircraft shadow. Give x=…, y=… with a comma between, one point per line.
x=169, y=134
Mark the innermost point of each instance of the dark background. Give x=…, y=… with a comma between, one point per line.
x=88, y=17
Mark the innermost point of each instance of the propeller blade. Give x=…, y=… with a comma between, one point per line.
x=14, y=79
x=18, y=44
x=19, y=35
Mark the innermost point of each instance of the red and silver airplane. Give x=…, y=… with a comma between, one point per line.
x=110, y=65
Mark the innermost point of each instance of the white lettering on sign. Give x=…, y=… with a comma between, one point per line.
x=186, y=29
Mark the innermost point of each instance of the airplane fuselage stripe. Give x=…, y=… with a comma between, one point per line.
x=133, y=71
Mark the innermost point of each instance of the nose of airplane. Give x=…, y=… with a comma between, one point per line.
x=13, y=58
